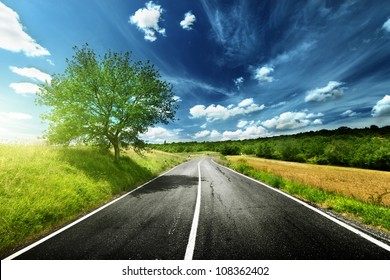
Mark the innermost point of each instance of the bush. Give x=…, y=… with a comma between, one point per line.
x=229, y=150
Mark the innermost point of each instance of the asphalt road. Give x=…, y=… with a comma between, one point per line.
x=233, y=218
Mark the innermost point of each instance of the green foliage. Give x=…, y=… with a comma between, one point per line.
x=229, y=150
x=105, y=100
x=364, y=148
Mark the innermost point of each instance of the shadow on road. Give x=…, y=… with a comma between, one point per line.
x=166, y=183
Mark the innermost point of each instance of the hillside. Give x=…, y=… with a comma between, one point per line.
x=43, y=187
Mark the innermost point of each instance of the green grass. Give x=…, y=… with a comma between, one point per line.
x=374, y=214
x=42, y=187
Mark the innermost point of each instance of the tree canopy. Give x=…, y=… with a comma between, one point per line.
x=105, y=100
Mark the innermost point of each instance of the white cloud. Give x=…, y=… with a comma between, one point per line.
x=382, y=107
x=159, y=134
x=317, y=122
x=278, y=104
x=292, y=120
x=147, y=19
x=232, y=28
x=242, y=123
x=331, y=90
x=348, y=113
x=24, y=88
x=32, y=73
x=214, y=135
x=212, y=112
x=386, y=25
x=313, y=115
x=250, y=132
x=246, y=102
x=238, y=82
x=4, y=116
x=297, y=52
x=177, y=98
x=188, y=21
x=191, y=85
x=202, y=134
x=14, y=38
x=210, y=135
x=50, y=62
x=262, y=74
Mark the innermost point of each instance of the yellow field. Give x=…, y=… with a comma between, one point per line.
x=362, y=184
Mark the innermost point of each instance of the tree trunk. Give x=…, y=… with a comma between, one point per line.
x=117, y=152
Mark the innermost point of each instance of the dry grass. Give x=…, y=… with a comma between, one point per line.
x=365, y=185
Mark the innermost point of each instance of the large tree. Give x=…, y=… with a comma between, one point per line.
x=106, y=100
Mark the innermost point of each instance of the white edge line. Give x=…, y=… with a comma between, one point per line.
x=18, y=253
x=350, y=228
x=192, y=239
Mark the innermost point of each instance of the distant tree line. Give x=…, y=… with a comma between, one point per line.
x=361, y=147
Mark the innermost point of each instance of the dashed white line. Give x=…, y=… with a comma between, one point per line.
x=192, y=239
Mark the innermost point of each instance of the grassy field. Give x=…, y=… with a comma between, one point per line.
x=42, y=188
x=358, y=193
x=363, y=184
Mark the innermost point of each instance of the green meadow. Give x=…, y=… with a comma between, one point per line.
x=44, y=187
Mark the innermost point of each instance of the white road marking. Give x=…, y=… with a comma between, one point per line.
x=18, y=253
x=192, y=239
x=348, y=227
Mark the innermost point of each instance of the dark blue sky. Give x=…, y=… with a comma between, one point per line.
x=240, y=69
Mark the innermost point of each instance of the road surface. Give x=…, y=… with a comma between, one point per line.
x=201, y=210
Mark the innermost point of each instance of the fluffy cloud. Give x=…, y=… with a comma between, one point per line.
x=212, y=112
x=238, y=82
x=32, y=73
x=386, y=25
x=202, y=134
x=262, y=74
x=246, y=102
x=253, y=129
x=317, y=122
x=348, y=113
x=211, y=135
x=147, y=19
x=382, y=107
x=24, y=88
x=250, y=132
x=331, y=90
x=159, y=135
x=188, y=21
x=14, y=38
x=242, y=123
x=292, y=120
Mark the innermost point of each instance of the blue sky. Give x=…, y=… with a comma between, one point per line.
x=240, y=69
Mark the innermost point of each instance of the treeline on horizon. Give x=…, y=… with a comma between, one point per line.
x=359, y=147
